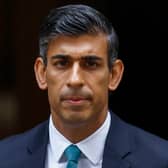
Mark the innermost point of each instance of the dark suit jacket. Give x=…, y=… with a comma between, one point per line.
x=126, y=147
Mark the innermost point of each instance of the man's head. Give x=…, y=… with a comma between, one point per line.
x=77, y=20
x=77, y=47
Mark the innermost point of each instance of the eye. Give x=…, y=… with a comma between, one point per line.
x=91, y=64
x=62, y=63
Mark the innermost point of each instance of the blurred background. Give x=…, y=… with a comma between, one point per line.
x=141, y=98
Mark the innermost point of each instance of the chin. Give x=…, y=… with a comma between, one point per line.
x=76, y=118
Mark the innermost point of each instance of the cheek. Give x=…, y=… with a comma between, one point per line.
x=54, y=79
x=54, y=83
x=99, y=82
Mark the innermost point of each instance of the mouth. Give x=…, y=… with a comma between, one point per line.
x=75, y=100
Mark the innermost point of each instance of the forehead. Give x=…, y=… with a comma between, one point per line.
x=78, y=46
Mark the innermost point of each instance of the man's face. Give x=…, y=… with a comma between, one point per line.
x=78, y=79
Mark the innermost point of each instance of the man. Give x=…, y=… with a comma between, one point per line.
x=78, y=66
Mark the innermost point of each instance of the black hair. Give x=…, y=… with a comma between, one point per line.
x=76, y=20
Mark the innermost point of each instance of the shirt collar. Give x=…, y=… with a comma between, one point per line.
x=87, y=146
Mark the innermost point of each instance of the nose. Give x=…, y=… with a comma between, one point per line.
x=75, y=79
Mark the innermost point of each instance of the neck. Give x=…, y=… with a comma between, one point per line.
x=76, y=132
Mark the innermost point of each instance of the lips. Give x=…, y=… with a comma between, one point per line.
x=75, y=100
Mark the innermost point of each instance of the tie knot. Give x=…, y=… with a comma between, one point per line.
x=72, y=153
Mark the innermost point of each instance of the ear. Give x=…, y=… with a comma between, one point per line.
x=116, y=74
x=40, y=73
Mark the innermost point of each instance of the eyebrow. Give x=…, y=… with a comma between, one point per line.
x=60, y=56
x=86, y=57
x=91, y=57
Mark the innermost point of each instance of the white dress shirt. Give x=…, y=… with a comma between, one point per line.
x=91, y=148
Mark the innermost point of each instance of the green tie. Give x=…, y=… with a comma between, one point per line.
x=72, y=153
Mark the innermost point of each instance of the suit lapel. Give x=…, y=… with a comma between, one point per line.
x=37, y=148
x=113, y=162
x=118, y=145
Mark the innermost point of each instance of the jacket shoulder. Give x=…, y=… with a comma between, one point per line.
x=15, y=144
x=147, y=148
x=139, y=148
